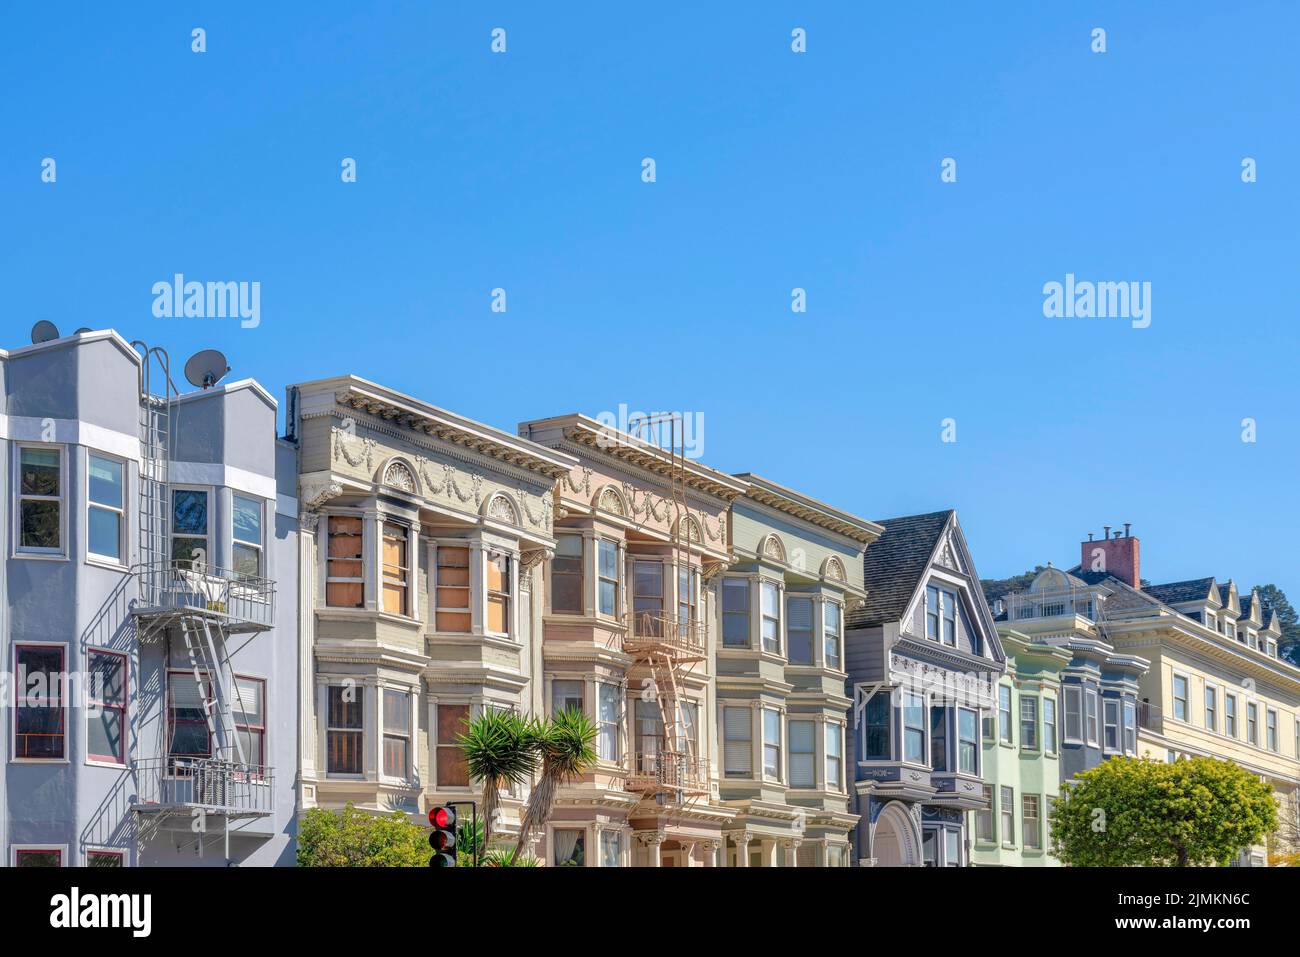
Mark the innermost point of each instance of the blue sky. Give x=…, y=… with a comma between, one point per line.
x=774, y=170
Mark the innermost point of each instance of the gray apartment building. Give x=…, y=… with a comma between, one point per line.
x=152, y=666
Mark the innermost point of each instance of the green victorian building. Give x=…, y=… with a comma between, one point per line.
x=1022, y=745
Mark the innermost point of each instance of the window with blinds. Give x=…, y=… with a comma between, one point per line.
x=397, y=733
x=566, y=575
x=738, y=742
x=187, y=723
x=803, y=754
x=249, y=708
x=344, y=584
x=735, y=612
x=397, y=570
x=452, y=593
x=344, y=729
x=799, y=630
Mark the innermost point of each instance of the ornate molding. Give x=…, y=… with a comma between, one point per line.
x=356, y=458
x=574, y=487
x=530, y=558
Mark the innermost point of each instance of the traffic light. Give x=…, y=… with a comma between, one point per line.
x=443, y=836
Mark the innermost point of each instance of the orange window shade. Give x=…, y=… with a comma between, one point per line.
x=498, y=614
x=343, y=584
x=453, y=589
x=395, y=569
x=498, y=573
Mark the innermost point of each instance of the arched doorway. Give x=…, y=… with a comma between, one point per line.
x=894, y=842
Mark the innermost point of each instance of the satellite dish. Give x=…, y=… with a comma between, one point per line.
x=205, y=369
x=44, y=331
x=83, y=329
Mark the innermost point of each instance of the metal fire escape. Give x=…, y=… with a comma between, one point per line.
x=192, y=609
x=668, y=644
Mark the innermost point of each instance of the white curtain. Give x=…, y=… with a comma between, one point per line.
x=566, y=842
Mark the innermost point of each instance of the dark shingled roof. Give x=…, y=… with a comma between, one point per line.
x=894, y=564
x=1245, y=606
x=1174, y=593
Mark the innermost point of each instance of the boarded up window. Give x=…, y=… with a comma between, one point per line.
x=343, y=580
x=453, y=719
x=453, y=589
x=396, y=570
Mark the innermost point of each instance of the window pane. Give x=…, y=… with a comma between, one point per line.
x=248, y=519
x=566, y=696
x=608, y=560
x=189, y=512
x=40, y=524
x=25, y=858
x=105, y=481
x=397, y=712
x=247, y=560
x=40, y=472
x=103, y=533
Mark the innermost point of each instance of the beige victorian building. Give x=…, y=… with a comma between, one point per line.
x=422, y=533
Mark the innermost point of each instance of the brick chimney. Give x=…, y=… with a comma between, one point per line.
x=1116, y=554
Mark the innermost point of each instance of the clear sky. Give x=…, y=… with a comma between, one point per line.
x=775, y=170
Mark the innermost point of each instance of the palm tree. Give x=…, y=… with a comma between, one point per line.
x=567, y=749
x=501, y=750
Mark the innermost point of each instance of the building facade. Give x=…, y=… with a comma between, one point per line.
x=1022, y=757
x=1215, y=685
x=923, y=658
x=155, y=672
x=421, y=536
x=782, y=704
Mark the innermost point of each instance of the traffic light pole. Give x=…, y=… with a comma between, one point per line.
x=473, y=827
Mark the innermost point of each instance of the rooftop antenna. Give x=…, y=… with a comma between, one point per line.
x=205, y=369
x=44, y=331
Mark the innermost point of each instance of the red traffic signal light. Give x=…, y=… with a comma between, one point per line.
x=443, y=836
x=442, y=817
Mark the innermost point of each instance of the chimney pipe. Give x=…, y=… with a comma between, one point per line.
x=1090, y=536
x=1107, y=528
x=1127, y=526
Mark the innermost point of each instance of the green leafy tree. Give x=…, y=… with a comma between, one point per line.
x=1129, y=812
x=567, y=747
x=352, y=838
x=502, y=750
x=995, y=588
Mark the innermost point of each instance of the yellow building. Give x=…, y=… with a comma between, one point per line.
x=1216, y=685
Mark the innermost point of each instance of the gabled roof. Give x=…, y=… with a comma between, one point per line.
x=1174, y=593
x=894, y=565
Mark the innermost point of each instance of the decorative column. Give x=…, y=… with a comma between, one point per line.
x=741, y=839
x=791, y=852
x=653, y=842
x=711, y=849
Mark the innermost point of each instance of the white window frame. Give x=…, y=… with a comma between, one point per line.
x=17, y=498
x=1231, y=715
x=829, y=636
x=365, y=729
x=837, y=783
x=959, y=741
x=1272, y=738
x=1092, y=717
x=1186, y=698
x=617, y=722
x=326, y=560
x=1037, y=818
x=779, y=744
x=812, y=742
x=408, y=735
x=1211, y=707
x=923, y=728
x=727, y=773
x=1007, y=815
x=1075, y=692
x=1054, y=738
x=1006, y=720
x=1032, y=700
x=1252, y=723
x=408, y=569
x=617, y=580
x=261, y=527
x=95, y=558
x=763, y=617
x=1109, y=706
x=1129, y=728
x=172, y=535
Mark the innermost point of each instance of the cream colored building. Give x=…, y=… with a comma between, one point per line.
x=422, y=533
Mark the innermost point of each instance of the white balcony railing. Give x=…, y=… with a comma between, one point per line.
x=214, y=784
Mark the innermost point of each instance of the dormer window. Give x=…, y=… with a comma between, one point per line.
x=941, y=615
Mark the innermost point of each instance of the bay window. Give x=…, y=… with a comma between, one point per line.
x=397, y=569
x=566, y=576
x=246, y=536
x=452, y=595
x=769, y=596
x=834, y=757
x=1049, y=722
x=735, y=612
x=190, y=528
x=1073, y=715
x=1110, y=729
x=105, y=508
x=799, y=630
x=344, y=729
x=737, y=742
x=1008, y=816
x=772, y=744
x=913, y=727
x=39, y=721
x=344, y=581
x=453, y=720
x=938, y=738
x=1090, y=702
x=832, y=628
x=106, y=725
x=1130, y=727
x=40, y=499
x=397, y=733
x=803, y=754
x=875, y=736
x=498, y=593
x=1028, y=721
x=609, y=578
x=648, y=597
x=968, y=742
x=610, y=700
x=984, y=817
x=1004, y=713
x=566, y=695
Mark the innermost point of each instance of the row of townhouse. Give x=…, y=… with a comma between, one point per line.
x=238, y=627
